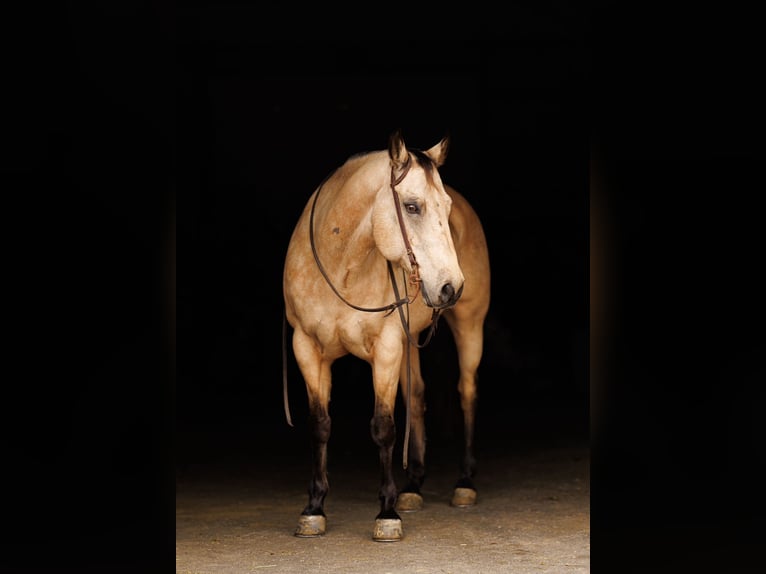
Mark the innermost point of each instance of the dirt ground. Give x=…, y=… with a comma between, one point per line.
x=532, y=514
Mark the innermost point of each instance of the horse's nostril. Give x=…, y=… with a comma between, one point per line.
x=448, y=293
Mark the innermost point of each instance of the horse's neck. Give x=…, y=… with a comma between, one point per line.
x=357, y=259
x=360, y=259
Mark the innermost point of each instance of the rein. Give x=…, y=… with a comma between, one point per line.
x=414, y=275
x=398, y=304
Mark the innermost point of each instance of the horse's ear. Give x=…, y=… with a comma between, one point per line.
x=397, y=150
x=438, y=153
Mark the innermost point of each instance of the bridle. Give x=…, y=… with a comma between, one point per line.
x=400, y=302
x=414, y=274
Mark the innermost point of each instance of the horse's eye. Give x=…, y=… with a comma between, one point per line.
x=412, y=208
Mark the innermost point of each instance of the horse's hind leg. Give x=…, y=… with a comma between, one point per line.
x=467, y=330
x=316, y=373
x=410, y=498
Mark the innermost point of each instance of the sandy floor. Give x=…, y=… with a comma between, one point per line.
x=532, y=515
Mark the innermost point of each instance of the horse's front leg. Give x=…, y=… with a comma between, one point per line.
x=385, y=374
x=410, y=498
x=317, y=375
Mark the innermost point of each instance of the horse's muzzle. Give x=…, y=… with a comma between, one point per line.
x=447, y=297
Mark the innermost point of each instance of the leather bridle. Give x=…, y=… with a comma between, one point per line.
x=400, y=302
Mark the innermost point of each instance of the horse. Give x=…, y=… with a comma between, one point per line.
x=383, y=249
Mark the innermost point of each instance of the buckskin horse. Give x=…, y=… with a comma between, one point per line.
x=381, y=251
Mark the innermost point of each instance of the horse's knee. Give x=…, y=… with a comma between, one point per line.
x=383, y=430
x=417, y=402
x=467, y=390
x=320, y=425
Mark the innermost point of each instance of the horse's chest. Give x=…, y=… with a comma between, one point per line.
x=358, y=334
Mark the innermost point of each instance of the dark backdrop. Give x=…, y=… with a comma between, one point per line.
x=263, y=125
x=124, y=123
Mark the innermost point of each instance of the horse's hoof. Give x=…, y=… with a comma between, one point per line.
x=313, y=525
x=387, y=530
x=409, y=502
x=463, y=497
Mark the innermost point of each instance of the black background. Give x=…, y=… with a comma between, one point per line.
x=141, y=141
x=264, y=126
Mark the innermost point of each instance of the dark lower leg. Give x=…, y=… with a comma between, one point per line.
x=384, y=435
x=319, y=424
x=416, y=470
x=468, y=462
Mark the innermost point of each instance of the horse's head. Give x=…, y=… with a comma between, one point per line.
x=422, y=223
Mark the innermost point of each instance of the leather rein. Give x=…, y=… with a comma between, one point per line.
x=398, y=304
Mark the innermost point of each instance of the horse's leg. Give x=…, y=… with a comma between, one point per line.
x=467, y=330
x=385, y=373
x=410, y=498
x=317, y=375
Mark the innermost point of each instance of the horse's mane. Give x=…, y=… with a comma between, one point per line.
x=423, y=160
x=359, y=155
x=426, y=163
